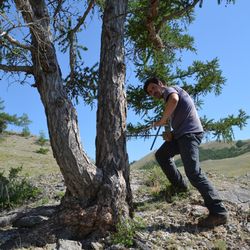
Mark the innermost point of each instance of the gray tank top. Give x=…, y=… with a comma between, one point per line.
x=185, y=118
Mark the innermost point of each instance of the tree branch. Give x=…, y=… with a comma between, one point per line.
x=71, y=34
x=57, y=11
x=14, y=41
x=58, y=8
x=152, y=13
x=26, y=69
x=82, y=19
x=176, y=14
x=153, y=7
x=72, y=55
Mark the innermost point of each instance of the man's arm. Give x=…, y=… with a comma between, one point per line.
x=170, y=106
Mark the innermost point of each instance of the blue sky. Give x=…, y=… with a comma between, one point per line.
x=219, y=31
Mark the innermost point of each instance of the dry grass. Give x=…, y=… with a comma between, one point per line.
x=230, y=167
x=16, y=151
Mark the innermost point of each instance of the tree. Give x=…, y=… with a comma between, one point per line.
x=7, y=119
x=98, y=194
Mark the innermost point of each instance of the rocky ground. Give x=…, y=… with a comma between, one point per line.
x=173, y=225
x=166, y=223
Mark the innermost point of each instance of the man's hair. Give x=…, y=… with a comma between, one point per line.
x=150, y=80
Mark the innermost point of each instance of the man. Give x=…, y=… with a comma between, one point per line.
x=184, y=139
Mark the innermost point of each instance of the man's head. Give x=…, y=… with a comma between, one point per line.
x=154, y=87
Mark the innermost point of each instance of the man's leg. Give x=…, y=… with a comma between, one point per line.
x=164, y=157
x=188, y=145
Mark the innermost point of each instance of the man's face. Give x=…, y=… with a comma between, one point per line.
x=155, y=90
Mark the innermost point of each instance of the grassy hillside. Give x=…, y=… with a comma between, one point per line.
x=16, y=151
x=230, y=167
x=230, y=159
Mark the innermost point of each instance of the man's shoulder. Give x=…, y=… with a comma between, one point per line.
x=168, y=91
x=172, y=88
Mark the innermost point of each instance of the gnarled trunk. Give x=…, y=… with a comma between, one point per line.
x=95, y=195
x=78, y=172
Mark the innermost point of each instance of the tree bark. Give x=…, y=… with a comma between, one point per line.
x=111, y=154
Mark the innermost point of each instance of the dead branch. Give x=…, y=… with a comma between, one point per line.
x=151, y=14
x=153, y=7
x=58, y=8
x=12, y=68
x=176, y=14
x=71, y=36
x=14, y=41
x=12, y=217
x=84, y=16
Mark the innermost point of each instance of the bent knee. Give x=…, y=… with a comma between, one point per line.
x=195, y=176
x=159, y=155
x=162, y=156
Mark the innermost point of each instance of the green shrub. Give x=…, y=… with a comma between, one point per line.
x=156, y=179
x=220, y=245
x=161, y=188
x=43, y=201
x=240, y=144
x=126, y=230
x=25, y=132
x=149, y=165
x=59, y=195
x=41, y=139
x=15, y=190
x=173, y=193
x=43, y=151
x=157, y=183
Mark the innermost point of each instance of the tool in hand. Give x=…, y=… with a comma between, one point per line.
x=157, y=133
x=167, y=128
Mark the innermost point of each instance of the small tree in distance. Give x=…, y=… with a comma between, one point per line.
x=7, y=119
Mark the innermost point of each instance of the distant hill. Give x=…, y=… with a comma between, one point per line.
x=229, y=159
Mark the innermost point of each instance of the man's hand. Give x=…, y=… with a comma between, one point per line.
x=161, y=122
x=167, y=136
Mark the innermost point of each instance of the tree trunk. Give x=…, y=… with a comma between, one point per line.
x=111, y=154
x=95, y=195
x=78, y=172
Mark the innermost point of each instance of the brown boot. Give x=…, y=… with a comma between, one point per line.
x=213, y=220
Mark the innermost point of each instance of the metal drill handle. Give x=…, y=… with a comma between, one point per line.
x=155, y=138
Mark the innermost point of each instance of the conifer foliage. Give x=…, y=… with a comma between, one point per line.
x=157, y=34
x=7, y=119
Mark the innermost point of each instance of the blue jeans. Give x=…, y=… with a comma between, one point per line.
x=188, y=148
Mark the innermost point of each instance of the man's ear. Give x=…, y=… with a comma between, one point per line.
x=161, y=84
